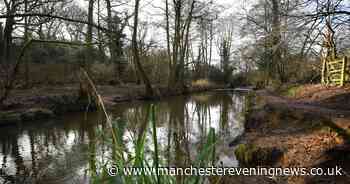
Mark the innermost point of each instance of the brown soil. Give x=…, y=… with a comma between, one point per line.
x=329, y=97
x=312, y=129
x=23, y=98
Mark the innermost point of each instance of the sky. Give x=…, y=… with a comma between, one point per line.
x=151, y=12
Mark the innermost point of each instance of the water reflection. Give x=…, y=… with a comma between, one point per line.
x=64, y=150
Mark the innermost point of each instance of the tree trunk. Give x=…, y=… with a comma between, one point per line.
x=26, y=37
x=180, y=45
x=210, y=46
x=100, y=36
x=110, y=40
x=8, y=39
x=1, y=42
x=276, y=40
x=148, y=86
x=168, y=37
x=88, y=55
x=176, y=45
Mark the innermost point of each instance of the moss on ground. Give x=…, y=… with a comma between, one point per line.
x=250, y=155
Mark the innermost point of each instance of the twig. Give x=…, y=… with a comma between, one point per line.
x=99, y=101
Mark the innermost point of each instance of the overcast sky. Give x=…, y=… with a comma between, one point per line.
x=151, y=12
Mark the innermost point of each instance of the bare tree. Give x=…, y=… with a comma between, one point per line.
x=182, y=23
x=148, y=86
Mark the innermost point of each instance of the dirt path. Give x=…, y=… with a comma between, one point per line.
x=339, y=114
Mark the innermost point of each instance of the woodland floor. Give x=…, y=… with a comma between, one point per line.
x=312, y=128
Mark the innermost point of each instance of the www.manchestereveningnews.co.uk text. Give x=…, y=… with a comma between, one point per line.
x=225, y=171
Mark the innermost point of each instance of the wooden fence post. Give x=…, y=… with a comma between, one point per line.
x=343, y=72
x=323, y=79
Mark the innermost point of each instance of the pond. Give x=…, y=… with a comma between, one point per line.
x=66, y=149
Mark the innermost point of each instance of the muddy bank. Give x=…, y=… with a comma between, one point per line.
x=48, y=102
x=286, y=132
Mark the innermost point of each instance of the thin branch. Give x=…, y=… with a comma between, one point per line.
x=55, y=17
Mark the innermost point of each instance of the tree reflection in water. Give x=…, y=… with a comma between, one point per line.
x=64, y=150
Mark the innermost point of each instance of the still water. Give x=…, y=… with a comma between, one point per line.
x=62, y=150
